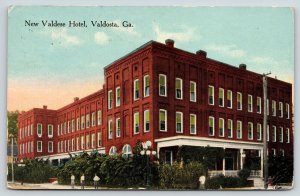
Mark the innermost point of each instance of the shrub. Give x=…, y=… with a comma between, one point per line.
x=225, y=182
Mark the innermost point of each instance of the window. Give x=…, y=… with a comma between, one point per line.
x=39, y=129
x=61, y=128
x=82, y=122
x=273, y=133
x=230, y=128
x=39, y=146
x=50, y=131
x=99, y=139
x=109, y=96
x=58, y=147
x=136, y=91
x=99, y=117
x=178, y=88
x=50, y=146
x=73, y=143
x=146, y=121
x=250, y=103
x=258, y=132
x=118, y=96
x=93, y=119
x=268, y=107
x=118, y=127
x=193, y=91
x=221, y=127
x=211, y=95
x=268, y=133
x=287, y=135
x=113, y=150
x=65, y=127
x=69, y=126
x=77, y=143
x=211, y=129
x=168, y=157
x=221, y=97
x=162, y=120
x=68, y=146
x=239, y=101
x=179, y=122
x=87, y=142
x=146, y=86
x=287, y=110
x=280, y=109
x=229, y=99
x=258, y=104
x=273, y=108
x=31, y=129
x=274, y=152
x=162, y=85
x=82, y=142
x=87, y=120
x=73, y=125
x=136, y=123
x=282, y=152
x=250, y=131
x=280, y=134
x=110, y=130
x=193, y=124
x=93, y=140
x=78, y=124
x=239, y=127
x=126, y=151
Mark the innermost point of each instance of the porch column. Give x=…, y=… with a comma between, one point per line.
x=261, y=163
x=241, y=158
x=58, y=161
x=157, y=152
x=224, y=162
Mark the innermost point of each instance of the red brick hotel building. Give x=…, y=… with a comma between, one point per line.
x=172, y=98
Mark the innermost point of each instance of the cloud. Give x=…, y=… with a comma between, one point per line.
x=268, y=61
x=64, y=37
x=101, y=38
x=230, y=50
x=185, y=35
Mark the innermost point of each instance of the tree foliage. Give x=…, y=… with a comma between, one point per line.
x=12, y=121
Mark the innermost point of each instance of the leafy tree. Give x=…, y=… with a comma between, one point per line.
x=12, y=118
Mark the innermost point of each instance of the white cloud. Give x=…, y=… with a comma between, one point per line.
x=230, y=50
x=64, y=37
x=101, y=38
x=268, y=61
x=185, y=35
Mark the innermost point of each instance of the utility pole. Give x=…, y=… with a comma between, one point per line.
x=265, y=92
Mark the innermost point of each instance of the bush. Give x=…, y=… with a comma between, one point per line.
x=225, y=182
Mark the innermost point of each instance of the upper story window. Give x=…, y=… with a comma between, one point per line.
x=287, y=110
x=118, y=127
x=250, y=131
x=280, y=134
x=211, y=100
x=273, y=133
x=178, y=88
x=73, y=125
x=280, y=109
x=39, y=146
x=239, y=101
x=239, y=127
x=58, y=130
x=77, y=143
x=82, y=142
x=162, y=85
x=287, y=135
x=39, y=129
x=258, y=132
x=221, y=97
x=136, y=123
x=87, y=143
x=273, y=108
x=211, y=126
x=179, y=122
x=50, y=146
x=69, y=126
x=110, y=129
x=258, y=104
x=109, y=96
x=50, y=131
x=73, y=144
x=99, y=117
x=65, y=127
x=99, y=139
x=146, y=121
x=78, y=124
x=221, y=127
x=162, y=120
x=229, y=99
x=93, y=119
x=230, y=128
x=87, y=120
x=136, y=89
x=146, y=85
x=193, y=124
x=250, y=103
x=193, y=91
x=118, y=96
x=82, y=122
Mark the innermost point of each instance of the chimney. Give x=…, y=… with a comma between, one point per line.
x=170, y=43
x=243, y=66
x=45, y=107
x=201, y=53
x=76, y=99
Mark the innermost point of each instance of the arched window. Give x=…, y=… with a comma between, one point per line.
x=113, y=150
x=126, y=151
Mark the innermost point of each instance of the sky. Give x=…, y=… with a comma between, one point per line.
x=52, y=65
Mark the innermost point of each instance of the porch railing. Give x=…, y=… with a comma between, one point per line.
x=255, y=173
x=212, y=173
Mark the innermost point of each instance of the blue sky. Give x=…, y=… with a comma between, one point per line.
x=48, y=65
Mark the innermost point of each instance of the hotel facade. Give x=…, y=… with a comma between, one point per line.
x=172, y=98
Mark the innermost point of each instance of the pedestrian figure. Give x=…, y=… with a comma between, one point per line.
x=96, y=181
x=72, y=181
x=82, y=179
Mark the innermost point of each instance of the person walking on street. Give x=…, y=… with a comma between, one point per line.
x=82, y=179
x=96, y=181
x=72, y=181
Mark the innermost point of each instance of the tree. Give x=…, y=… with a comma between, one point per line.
x=12, y=118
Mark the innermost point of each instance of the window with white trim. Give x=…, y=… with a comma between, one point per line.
x=258, y=132
x=113, y=151
x=258, y=105
x=250, y=131
x=78, y=124
x=221, y=97
x=193, y=91
x=99, y=117
x=87, y=117
x=280, y=134
x=118, y=127
x=162, y=85
x=82, y=121
x=110, y=129
x=179, y=122
x=77, y=143
x=280, y=109
x=50, y=130
x=73, y=125
x=163, y=120
x=193, y=124
x=109, y=99
x=146, y=121
x=136, y=123
x=65, y=127
x=250, y=103
x=39, y=146
x=136, y=89
x=50, y=146
x=287, y=135
x=126, y=151
x=72, y=144
x=239, y=101
x=229, y=99
x=69, y=146
x=230, y=128
x=273, y=133
x=82, y=142
x=146, y=85
x=93, y=119
x=31, y=129
x=273, y=108
x=287, y=110
x=93, y=140
x=211, y=94
x=239, y=129
x=99, y=139
x=69, y=126
x=211, y=126
x=39, y=129
x=178, y=88
x=118, y=96
x=221, y=127
x=61, y=128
